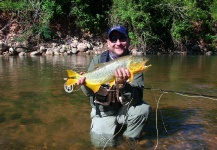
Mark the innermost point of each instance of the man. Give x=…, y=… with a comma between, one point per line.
x=109, y=113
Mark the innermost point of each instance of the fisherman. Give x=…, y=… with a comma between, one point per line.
x=117, y=109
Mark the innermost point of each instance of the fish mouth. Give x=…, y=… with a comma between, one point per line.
x=148, y=66
x=145, y=67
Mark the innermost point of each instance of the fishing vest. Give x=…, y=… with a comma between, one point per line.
x=103, y=100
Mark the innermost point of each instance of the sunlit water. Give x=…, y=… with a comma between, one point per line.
x=36, y=112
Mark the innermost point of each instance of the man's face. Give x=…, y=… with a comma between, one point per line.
x=118, y=43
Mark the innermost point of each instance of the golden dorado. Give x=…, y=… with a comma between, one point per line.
x=104, y=73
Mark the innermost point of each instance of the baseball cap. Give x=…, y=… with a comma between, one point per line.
x=120, y=29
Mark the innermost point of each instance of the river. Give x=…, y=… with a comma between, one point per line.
x=36, y=112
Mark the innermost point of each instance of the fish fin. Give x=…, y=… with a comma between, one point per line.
x=71, y=82
x=94, y=88
x=72, y=73
x=131, y=77
x=73, y=77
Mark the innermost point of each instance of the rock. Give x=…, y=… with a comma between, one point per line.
x=82, y=47
x=74, y=51
x=34, y=53
x=69, y=52
x=87, y=52
x=1, y=45
x=63, y=48
x=11, y=49
x=20, y=49
x=22, y=54
x=96, y=48
x=89, y=46
x=25, y=44
x=54, y=44
x=209, y=53
x=97, y=52
x=56, y=50
x=49, y=51
x=42, y=49
x=74, y=43
x=134, y=51
x=5, y=53
x=56, y=53
x=18, y=44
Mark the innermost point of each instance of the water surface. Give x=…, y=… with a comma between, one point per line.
x=36, y=112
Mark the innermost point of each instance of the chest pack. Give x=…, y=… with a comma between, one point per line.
x=107, y=98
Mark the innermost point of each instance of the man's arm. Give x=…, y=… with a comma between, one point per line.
x=133, y=92
x=87, y=91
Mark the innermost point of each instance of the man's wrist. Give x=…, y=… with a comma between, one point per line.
x=121, y=85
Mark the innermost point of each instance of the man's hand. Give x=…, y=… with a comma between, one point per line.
x=122, y=75
x=81, y=81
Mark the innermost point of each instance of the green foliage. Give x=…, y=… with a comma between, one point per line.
x=151, y=23
x=49, y=8
x=34, y=14
x=213, y=10
x=212, y=39
x=136, y=17
x=179, y=30
x=212, y=47
x=165, y=22
x=88, y=14
x=209, y=38
x=46, y=32
x=12, y=5
x=20, y=39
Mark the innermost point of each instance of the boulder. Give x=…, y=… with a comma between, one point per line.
x=74, y=51
x=22, y=54
x=34, y=53
x=20, y=49
x=82, y=47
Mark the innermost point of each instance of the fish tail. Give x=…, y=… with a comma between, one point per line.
x=73, y=77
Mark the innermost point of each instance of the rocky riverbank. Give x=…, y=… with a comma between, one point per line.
x=10, y=46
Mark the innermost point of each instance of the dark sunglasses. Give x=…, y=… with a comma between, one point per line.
x=114, y=39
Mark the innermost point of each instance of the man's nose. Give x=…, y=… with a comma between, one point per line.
x=118, y=42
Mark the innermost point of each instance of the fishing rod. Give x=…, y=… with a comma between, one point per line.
x=188, y=94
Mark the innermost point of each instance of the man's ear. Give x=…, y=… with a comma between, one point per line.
x=108, y=41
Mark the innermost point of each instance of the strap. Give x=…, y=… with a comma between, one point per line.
x=104, y=57
x=97, y=110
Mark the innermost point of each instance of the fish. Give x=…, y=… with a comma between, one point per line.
x=104, y=72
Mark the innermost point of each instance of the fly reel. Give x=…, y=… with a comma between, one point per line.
x=68, y=88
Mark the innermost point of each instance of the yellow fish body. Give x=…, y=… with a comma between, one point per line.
x=104, y=74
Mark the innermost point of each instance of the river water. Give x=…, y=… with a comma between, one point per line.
x=36, y=112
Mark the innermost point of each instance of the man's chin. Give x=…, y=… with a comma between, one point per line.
x=119, y=51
